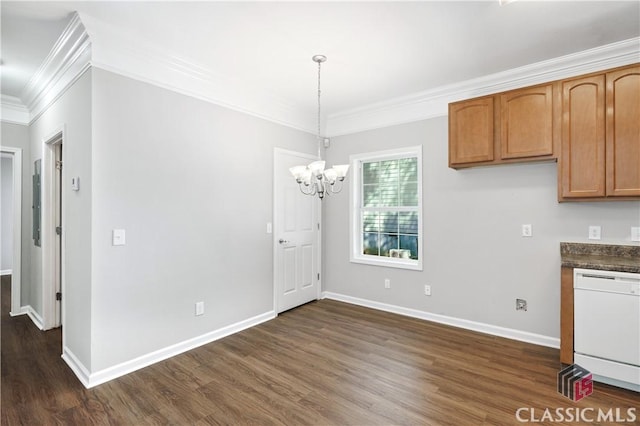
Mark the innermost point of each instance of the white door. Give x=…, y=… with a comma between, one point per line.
x=57, y=217
x=296, y=235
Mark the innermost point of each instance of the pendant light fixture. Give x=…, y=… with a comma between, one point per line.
x=314, y=178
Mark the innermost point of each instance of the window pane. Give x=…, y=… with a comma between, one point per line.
x=370, y=173
x=370, y=222
x=388, y=195
x=408, y=222
x=370, y=195
x=408, y=169
x=389, y=222
x=410, y=242
x=389, y=171
x=409, y=194
x=370, y=243
x=388, y=242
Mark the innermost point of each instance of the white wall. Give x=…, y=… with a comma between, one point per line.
x=191, y=183
x=73, y=112
x=474, y=256
x=6, y=213
x=17, y=136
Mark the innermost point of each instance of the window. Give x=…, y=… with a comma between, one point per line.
x=386, y=208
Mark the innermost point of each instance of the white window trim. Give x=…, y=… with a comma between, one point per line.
x=355, y=195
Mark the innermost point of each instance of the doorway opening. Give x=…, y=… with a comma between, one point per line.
x=52, y=231
x=14, y=155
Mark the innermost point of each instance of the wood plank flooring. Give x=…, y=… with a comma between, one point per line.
x=324, y=363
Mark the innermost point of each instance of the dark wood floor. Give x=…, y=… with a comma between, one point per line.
x=323, y=363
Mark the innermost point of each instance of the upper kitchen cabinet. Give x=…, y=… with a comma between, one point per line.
x=600, y=152
x=471, y=136
x=623, y=133
x=508, y=127
x=526, y=122
x=582, y=165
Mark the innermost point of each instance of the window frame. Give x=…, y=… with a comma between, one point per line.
x=355, y=213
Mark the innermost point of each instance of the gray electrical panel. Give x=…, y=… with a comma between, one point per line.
x=36, y=205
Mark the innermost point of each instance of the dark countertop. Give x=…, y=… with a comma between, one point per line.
x=604, y=257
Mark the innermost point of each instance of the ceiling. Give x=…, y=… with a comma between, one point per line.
x=376, y=50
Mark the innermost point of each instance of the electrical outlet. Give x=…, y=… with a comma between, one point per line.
x=387, y=283
x=635, y=233
x=527, y=230
x=427, y=290
x=595, y=231
x=199, y=308
x=118, y=237
x=521, y=305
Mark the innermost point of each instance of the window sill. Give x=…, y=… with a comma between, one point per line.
x=388, y=262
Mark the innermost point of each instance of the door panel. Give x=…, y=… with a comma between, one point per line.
x=289, y=269
x=526, y=122
x=296, y=236
x=623, y=132
x=583, y=138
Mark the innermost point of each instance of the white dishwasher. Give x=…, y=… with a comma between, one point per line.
x=607, y=326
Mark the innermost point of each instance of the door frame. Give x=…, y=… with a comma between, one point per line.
x=275, y=245
x=50, y=254
x=16, y=267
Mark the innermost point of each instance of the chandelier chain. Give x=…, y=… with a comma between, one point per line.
x=319, y=64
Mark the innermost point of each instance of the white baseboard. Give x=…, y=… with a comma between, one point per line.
x=5, y=272
x=90, y=380
x=35, y=317
x=494, y=330
x=76, y=366
x=24, y=310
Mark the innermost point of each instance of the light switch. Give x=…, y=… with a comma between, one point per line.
x=269, y=228
x=635, y=233
x=118, y=237
x=75, y=183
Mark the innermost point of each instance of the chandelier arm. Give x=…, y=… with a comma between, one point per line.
x=338, y=184
x=311, y=189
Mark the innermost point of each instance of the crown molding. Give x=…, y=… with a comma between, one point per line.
x=116, y=51
x=434, y=103
x=68, y=59
x=14, y=111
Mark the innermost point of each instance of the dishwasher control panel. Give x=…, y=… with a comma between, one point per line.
x=613, y=282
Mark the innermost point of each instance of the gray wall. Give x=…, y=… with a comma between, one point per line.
x=474, y=256
x=191, y=183
x=17, y=136
x=6, y=213
x=73, y=111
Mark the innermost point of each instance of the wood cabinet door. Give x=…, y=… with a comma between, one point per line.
x=471, y=138
x=526, y=122
x=583, y=138
x=623, y=132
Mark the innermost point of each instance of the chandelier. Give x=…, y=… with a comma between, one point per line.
x=314, y=178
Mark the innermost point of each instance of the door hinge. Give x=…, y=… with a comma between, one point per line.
x=58, y=165
x=58, y=230
x=318, y=276
x=58, y=296
x=318, y=226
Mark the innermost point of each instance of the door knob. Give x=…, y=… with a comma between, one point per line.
x=282, y=241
